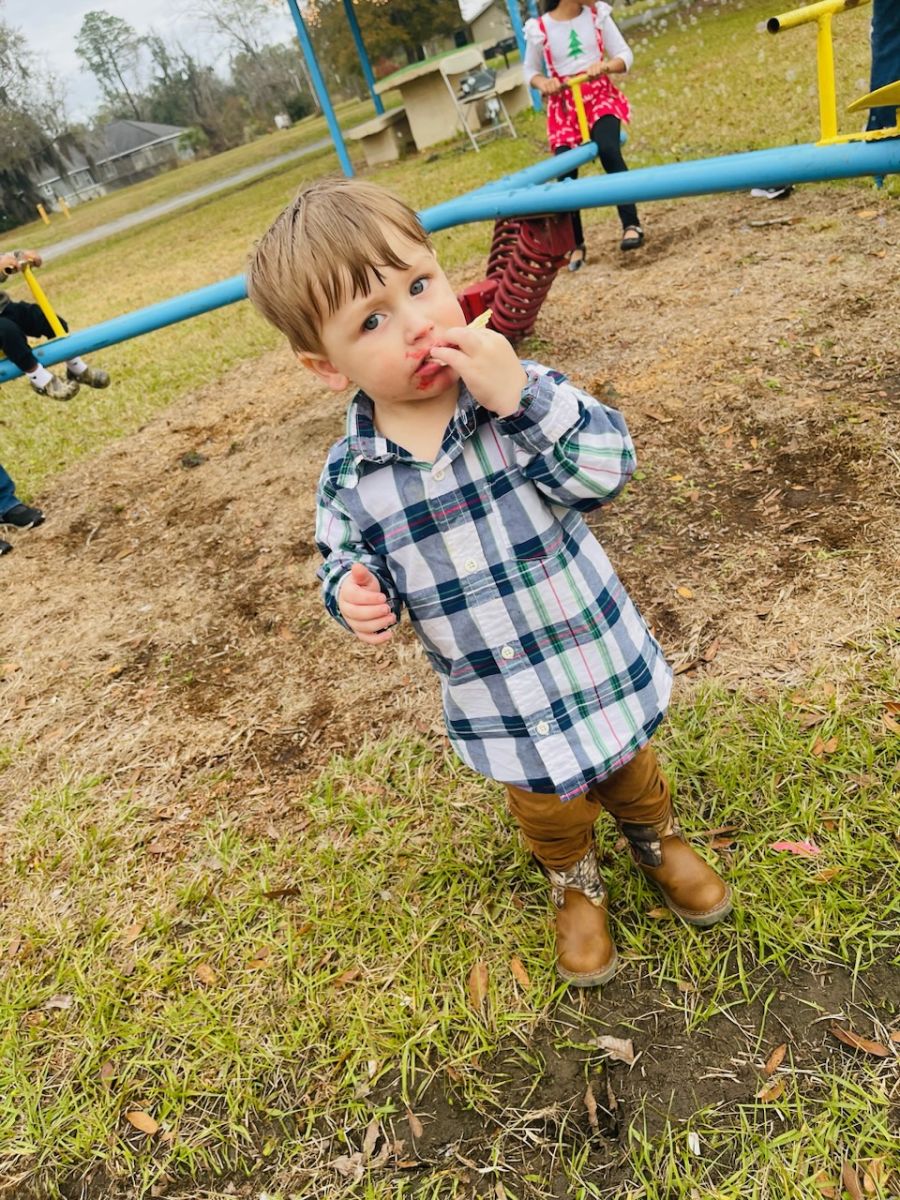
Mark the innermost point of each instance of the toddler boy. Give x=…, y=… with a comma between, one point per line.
x=458, y=492
x=20, y=320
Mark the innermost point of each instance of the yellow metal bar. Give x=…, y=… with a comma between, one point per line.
x=62, y=204
x=825, y=64
x=40, y=298
x=42, y=212
x=887, y=95
x=811, y=12
x=574, y=84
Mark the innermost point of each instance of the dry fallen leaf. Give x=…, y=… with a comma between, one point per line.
x=619, y=1049
x=856, y=1042
x=348, y=976
x=60, y=1002
x=775, y=1059
x=874, y=1176
x=685, y=593
x=826, y=875
x=415, y=1125
x=659, y=914
x=478, y=984
x=772, y=1091
x=205, y=974
x=895, y=1036
x=370, y=1141
x=805, y=849
x=590, y=1103
x=142, y=1121
x=889, y=723
x=711, y=651
x=518, y=969
x=107, y=1071
x=850, y=1180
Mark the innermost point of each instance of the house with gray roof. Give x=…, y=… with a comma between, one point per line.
x=111, y=157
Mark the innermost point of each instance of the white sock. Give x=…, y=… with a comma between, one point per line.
x=40, y=375
x=77, y=366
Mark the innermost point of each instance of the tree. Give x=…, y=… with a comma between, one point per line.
x=389, y=29
x=109, y=48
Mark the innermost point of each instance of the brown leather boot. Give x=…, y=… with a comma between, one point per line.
x=690, y=887
x=585, y=953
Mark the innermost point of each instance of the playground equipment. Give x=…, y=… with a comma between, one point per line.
x=527, y=194
x=822, y=13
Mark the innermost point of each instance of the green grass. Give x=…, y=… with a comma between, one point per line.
x=406, y=883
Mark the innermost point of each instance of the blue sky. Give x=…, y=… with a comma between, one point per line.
x=53, y=37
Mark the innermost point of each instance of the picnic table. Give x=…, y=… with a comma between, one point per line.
x=432, y=115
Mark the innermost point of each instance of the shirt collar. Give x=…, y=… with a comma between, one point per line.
x=366, y=444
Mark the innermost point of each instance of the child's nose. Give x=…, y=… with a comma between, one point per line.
x=418, y=325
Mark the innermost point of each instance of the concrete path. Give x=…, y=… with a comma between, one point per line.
x=57, y=249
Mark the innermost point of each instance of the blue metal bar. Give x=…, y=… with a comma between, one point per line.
x=729, y=173
x=133, y=324
x=732, y=173
x=321, y=91
x=363, y=56
x=516, y=21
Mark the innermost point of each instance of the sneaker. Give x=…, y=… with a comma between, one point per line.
x=776, y=193
x=5, y=547
x=22, y=516
x=92, y=376
x=56, y=388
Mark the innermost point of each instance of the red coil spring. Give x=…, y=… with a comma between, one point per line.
x=525, y=256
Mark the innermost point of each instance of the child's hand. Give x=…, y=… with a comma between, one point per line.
x=31, y=257
x=364, y=606
x=8, y=264
x=487, y=365
x=547, y=85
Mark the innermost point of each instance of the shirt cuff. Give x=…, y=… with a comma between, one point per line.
x=547, y=411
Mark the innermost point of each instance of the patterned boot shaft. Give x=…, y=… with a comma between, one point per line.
x=583, y=876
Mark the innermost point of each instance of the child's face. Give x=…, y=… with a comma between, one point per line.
x=381, y=342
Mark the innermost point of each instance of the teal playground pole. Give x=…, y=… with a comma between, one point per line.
x=363, y=56
x=321, y=91
x=516, y=21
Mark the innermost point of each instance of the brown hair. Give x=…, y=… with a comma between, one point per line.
x=319, y=252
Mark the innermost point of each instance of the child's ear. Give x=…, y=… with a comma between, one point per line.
x=325, y=370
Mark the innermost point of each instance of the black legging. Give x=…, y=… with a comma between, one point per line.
x=605, y=132
x=18, y=321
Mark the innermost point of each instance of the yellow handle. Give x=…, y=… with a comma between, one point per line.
x=41, y=300
x=575, y=85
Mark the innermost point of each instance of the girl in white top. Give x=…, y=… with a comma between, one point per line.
x=573, y=38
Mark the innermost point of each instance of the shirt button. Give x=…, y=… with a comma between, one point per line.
x=470, y=564
x=438, y=475
x=507, y=652
x=542, y=728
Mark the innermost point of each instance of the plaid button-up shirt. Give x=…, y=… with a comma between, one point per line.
x=551, y=679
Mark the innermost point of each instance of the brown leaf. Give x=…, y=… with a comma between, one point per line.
x=280, y=893
x=370, y=1141
x=685, y=593
x=142, y=1121
x=850, y=1180
x=711, y=651
x=772, y=1091
x=521, y=975
x=826, y=875
x=205, y=974
x=808, y=720
x=722, y=843
x=590, y=1103
x=895, y=1036
x=61, y=1002
x=657, y=415
x=107, y=1071
x=893, y=706
x=415, y=1125
x=775, y=1059
x=659, y=914
x=619, y=1049
x=478, y=984
x=8, y=668
x=348, y=976
x=889, y=723
x=856, y=1042
x=874, y=1176
x=132, y=933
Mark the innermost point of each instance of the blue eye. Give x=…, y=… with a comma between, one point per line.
x=418, y=285
x=372, y=322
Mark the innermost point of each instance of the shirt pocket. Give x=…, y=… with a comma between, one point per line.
x=525, y=522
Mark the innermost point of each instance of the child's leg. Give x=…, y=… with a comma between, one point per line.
x=638, y=797
x=14, y=344
x=7, y=491
x=606, y=134
x=577, y=228
x=561, y=838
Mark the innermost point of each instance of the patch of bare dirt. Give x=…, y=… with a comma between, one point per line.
x=166, y=620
